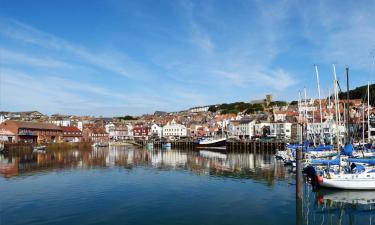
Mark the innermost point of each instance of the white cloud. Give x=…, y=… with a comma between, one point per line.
x=13, y=57
x=108, y=61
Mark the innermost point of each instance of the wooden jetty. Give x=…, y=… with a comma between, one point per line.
x=232, y=146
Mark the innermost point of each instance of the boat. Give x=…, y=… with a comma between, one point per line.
x=211, y=143
x=364, y=180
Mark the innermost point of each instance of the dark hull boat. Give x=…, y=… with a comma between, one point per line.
x=212, y=144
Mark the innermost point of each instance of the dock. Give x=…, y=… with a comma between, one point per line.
x=232, y=146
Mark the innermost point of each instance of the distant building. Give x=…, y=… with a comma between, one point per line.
x=244, y=129
x=141, y=130
x=281, y=130
x=174, y=129
x=199, y=109
x=33, y=132
x=71, y=134
x=268, y=99
x=117, y=132
x=7, y=136
x=95, y=134
x=156, y=130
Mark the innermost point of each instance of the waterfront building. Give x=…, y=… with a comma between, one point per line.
x=281, y=130
x=156, y=130
x=141, y=130
x=244, y=128
x=174, y=129
x=94, y=134
x=117, y=132
x=71, y=134
x=33, y=132
x=262, y=129
x=7, y=135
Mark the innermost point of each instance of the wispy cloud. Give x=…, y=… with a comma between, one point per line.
x=104, y=60
x=56, y=94
x=13, y=57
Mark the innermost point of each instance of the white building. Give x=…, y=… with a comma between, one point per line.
x=156, y=129
x=279, y=116
x=199, y=109
x=174, y=129
x=244, y=128
x=262, y=129
x=62, y=123
x=281, y=130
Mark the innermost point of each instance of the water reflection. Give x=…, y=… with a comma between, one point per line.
x=262, y=167
x=339, y=207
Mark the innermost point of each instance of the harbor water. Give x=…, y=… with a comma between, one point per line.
x=126, y=185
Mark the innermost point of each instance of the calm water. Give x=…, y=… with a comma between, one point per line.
x=134, y=186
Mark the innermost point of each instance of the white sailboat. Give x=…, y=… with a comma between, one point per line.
x=350, y=181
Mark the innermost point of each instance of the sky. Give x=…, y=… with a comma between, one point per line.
x=118, y=57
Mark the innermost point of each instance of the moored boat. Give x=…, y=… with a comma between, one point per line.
x=211, y=143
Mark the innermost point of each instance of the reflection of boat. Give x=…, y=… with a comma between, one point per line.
x=210, y=154
x=208, y=143
x=99, y=144
x=167, y=145
x=40, y=148
x=150, y=146
x=351, y=197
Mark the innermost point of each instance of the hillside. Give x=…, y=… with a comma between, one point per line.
x=237, y=107
x=361, y=93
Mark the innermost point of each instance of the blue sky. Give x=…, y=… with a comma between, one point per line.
x=133, y=57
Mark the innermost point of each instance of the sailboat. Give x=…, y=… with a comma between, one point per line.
x=351, y=175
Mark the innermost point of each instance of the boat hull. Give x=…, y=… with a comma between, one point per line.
x=357, y=184
x=214, y=145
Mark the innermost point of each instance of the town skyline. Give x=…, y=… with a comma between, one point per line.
x=117, y=58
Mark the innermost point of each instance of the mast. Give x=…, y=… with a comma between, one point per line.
x=347, y=105
x=307, y=119
x=330, y=115
x=336, y=107
x=368, y=112
x=363, y=123
x=320, y=103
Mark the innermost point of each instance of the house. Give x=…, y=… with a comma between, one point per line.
x=141, y=130
x=118, y=132
x=279, y=116
x=71, y=134
x=7, y=136
x=281, y=130
x=262, y=129
x=33, y=132
x=244, y=128
x=94, y=134
x=156, y=130
x=174, y=129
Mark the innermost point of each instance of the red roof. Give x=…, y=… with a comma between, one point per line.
x=70, y=129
